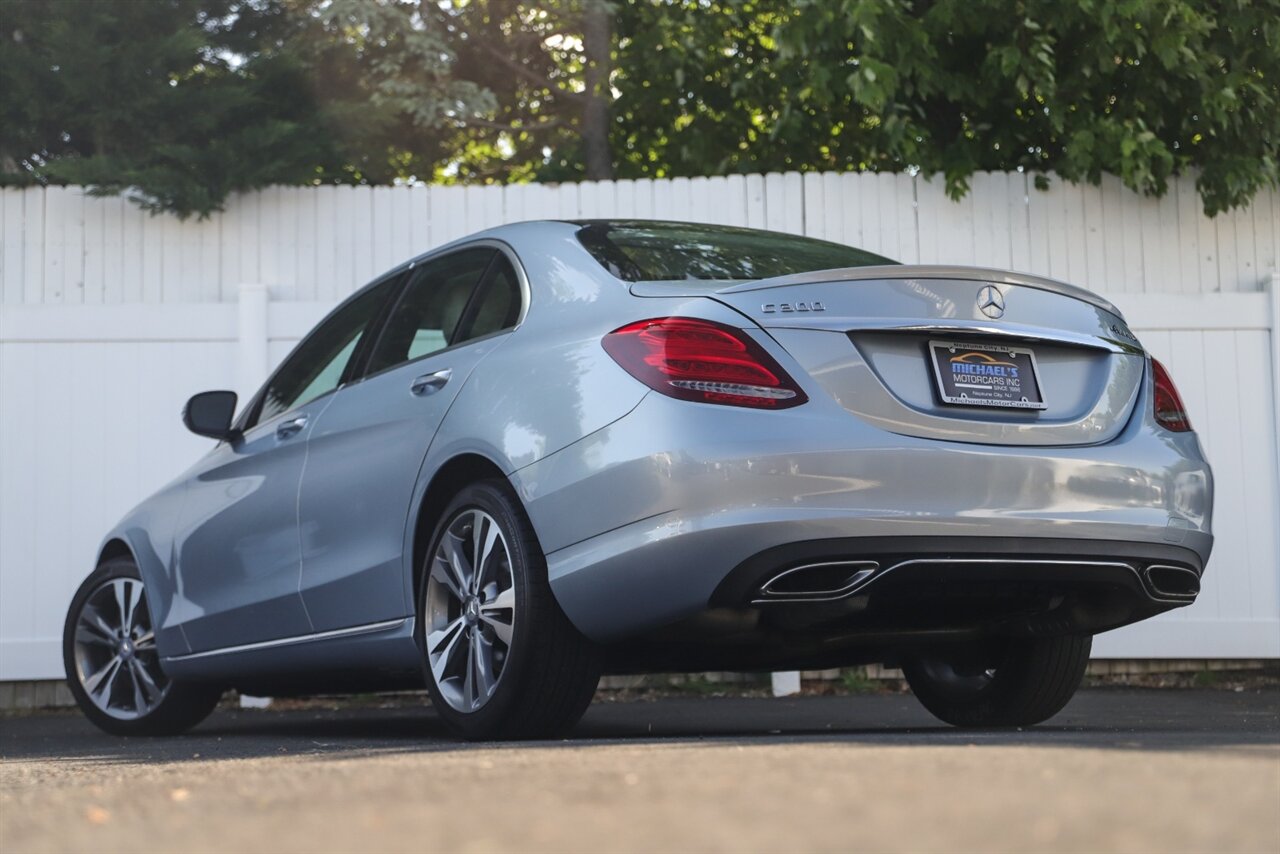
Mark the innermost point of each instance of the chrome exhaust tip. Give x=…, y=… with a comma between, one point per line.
x=817, y=582
x=1172, y=582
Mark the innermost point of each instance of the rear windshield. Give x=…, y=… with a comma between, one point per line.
x=674, y=251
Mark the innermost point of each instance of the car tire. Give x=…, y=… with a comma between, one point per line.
x=112, y=664
x=1020, y=683
x=501, y=659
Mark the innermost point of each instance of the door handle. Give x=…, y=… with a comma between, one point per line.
x=290, y=427
x=430, y=383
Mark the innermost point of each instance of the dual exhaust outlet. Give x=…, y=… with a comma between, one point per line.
x=828, y=581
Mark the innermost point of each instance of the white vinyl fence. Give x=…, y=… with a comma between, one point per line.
x=110, y=319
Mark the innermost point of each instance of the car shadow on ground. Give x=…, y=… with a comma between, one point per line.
x=1106, y=719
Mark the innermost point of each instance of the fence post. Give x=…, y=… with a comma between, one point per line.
x=254, y=353
x=1275, y=351
x=1275, y=385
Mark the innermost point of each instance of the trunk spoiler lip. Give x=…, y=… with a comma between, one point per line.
x=887, y=272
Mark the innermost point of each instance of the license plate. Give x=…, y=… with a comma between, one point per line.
x=986, y=375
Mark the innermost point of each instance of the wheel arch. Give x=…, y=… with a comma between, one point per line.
x=115, y=547
x=451, y=477
x=135, y=539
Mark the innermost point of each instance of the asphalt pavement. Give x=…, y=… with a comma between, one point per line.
x=1118, y=770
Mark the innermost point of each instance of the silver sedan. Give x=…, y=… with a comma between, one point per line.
x=559, y=449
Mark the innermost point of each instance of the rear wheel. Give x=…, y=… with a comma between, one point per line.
x=112, y=665
x=501, y=658
x=1020, y=682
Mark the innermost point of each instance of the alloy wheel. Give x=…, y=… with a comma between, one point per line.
x=115, y=651
x=470, y=602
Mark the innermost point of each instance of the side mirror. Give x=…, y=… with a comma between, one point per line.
x=209, y=413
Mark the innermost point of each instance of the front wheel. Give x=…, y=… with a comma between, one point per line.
x=1018, y=682
x=501, y=659
x=112, y=665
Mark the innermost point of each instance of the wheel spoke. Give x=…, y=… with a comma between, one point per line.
x=442, y=570
x=93, y=617
x=504, y=601
x=459, y=564
x=136, y=607
x=500, y=628
x=143, y=680
x=437, y=639
x=98, y=685
x=484, y=665
x=145, y=641
x=94, y=631
x=127, y=592
x=441, y=648
x=469, y=680
x=484, y=534
x=500, y=614
x=117, y=588
x=140, y=704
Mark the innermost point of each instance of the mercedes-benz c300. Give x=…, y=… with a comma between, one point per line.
x=559, y=449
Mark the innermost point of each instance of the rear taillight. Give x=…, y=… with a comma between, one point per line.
x=1171, y=412
x=703, y=361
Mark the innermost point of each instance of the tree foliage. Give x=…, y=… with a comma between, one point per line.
x=481, y=90
x=185, y=101
x=181, y=102
x=1139, y=88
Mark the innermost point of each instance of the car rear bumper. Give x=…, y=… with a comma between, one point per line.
x=651, y=519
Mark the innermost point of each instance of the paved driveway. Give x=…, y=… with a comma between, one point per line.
x=1118, y=770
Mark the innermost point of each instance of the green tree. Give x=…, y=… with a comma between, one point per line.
x=185, y=101
x=180, y=102
x=479, y=90
x=1139, y=88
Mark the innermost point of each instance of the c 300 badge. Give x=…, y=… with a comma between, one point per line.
x=788, y=307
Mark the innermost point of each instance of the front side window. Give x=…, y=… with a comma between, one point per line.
x=428, y=315
x=318, y=365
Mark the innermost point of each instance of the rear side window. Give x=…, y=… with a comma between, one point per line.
x=428, y=315
x=667, y=251
x=497, y=303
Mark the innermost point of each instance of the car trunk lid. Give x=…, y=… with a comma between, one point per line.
x=952, y=353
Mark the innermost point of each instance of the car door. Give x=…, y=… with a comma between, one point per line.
x=367, y=448
x=237, y=554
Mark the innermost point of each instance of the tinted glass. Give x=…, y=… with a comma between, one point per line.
x=662, y=251
x=426, y=317
x=317, y=366
x=497, y=304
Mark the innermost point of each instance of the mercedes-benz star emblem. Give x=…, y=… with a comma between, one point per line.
x=991, y=301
